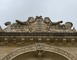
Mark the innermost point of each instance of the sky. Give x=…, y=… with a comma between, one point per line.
x=65, y=10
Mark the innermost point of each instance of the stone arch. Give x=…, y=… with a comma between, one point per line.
x=39, y=46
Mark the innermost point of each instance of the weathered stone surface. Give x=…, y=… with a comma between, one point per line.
x=39, y=24
x=15, y=51
x=38, y=35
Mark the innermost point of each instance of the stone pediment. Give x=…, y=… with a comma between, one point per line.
x=39, y=24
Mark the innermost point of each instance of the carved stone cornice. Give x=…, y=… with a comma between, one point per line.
x=16, y=38
x=37, y=34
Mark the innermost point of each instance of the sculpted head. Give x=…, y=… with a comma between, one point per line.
x=31, y=19
x=8, y=23
x=68, y=25
x=47, y=20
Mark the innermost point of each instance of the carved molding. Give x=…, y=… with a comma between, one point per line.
x=39, y=46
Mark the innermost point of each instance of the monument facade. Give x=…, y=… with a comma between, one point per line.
x=38, y=38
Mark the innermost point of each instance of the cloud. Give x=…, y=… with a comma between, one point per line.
x=10, y=10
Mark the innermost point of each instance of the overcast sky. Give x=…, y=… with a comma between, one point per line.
x=65, y=10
